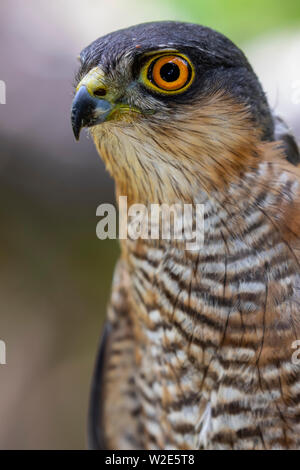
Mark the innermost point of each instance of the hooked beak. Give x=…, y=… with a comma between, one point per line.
x=88, y=109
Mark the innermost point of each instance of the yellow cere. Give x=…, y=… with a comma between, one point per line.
x=93, y=80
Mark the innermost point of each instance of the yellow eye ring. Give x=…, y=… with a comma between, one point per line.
x=168, y=73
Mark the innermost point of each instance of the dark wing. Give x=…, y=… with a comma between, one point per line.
x=96, y=438
x=114, y=421
x=282, y=132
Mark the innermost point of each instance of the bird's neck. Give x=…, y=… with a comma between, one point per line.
x=204, y=149
x=212, y=155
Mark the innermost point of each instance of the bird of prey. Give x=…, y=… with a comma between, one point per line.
x=197, y=351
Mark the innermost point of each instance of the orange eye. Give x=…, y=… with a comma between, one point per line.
x=170, y=73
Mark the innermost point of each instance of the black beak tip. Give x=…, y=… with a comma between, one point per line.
x=78, y=111
x=76, y=132
x=76, y=124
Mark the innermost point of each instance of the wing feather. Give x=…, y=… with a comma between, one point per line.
x=114, y=408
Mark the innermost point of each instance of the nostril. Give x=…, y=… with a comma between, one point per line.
x=100, y=92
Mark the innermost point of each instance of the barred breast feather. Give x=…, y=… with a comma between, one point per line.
x=204, y=357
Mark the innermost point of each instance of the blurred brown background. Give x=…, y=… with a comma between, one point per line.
x=55, y=274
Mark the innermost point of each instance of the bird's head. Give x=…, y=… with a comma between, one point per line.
x=170, y=105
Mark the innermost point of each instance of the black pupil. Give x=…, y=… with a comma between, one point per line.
x=170, y=72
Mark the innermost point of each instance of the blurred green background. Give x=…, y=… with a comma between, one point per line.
x=55, y=274
x=240, y=20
